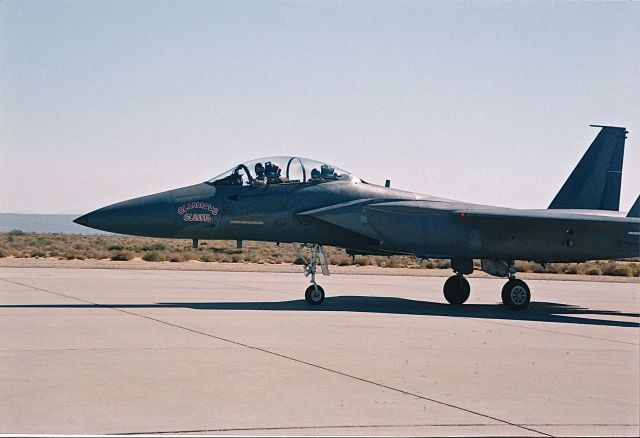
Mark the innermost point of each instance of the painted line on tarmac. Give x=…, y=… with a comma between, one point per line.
x=366, y=426
x=289, y=428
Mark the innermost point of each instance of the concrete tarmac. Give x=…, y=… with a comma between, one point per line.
x=98, y=351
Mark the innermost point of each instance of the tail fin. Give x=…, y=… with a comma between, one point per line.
x=595, y=182
x=635, y=209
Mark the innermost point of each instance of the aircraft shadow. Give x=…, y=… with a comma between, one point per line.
x=537, y=311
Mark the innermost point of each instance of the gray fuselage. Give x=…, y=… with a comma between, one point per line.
x=368, y=218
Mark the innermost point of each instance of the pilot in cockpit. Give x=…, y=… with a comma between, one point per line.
x=272, y=172
x=260, y=176
x=315, y=175
x=327, y=172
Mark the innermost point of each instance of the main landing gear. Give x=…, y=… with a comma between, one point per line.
x=314, y=295
x=456, y=289
x=515, y=293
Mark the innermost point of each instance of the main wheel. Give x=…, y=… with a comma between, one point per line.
x=456, y=289
x=314, y=295
x=516, y=295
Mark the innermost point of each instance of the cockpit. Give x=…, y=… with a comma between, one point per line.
x=280, y=170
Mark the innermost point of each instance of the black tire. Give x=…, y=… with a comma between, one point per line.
x=456, y=289
x=312, y=297
x=516, y=295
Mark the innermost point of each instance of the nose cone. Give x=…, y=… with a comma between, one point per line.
x=82, y=220
x=152, y=216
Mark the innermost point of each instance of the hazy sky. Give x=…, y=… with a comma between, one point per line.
x=101, y=101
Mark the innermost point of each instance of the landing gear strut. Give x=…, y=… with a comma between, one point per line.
x=314, y=295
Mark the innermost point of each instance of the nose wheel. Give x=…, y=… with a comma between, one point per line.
x=314, y=295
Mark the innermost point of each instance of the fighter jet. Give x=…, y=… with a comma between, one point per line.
x=312, y=204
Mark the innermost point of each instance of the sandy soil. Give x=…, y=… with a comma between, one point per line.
x=194, y=265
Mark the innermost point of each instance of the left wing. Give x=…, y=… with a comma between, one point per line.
x=452, y=230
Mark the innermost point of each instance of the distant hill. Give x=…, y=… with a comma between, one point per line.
x=43, y=223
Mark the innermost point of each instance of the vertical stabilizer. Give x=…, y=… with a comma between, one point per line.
x=635, y=209
x=595, y=182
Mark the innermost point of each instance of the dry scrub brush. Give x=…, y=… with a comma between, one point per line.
x=121, y=248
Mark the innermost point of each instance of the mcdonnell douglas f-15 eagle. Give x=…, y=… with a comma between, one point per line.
x=293, y=199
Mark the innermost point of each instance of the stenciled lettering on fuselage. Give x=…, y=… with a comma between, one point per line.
x=185, y=210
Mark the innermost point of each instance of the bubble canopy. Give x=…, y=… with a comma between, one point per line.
x=280, y=170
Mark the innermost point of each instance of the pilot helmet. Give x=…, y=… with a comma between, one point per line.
x=259, y=168
x=326, y=170
x=271, y=170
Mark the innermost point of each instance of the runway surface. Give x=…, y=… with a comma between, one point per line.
x=97, y=351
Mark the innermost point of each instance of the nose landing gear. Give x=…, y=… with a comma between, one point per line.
x=314, y=295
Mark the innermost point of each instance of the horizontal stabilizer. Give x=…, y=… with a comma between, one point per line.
x=595, y=182
x=635, y=209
